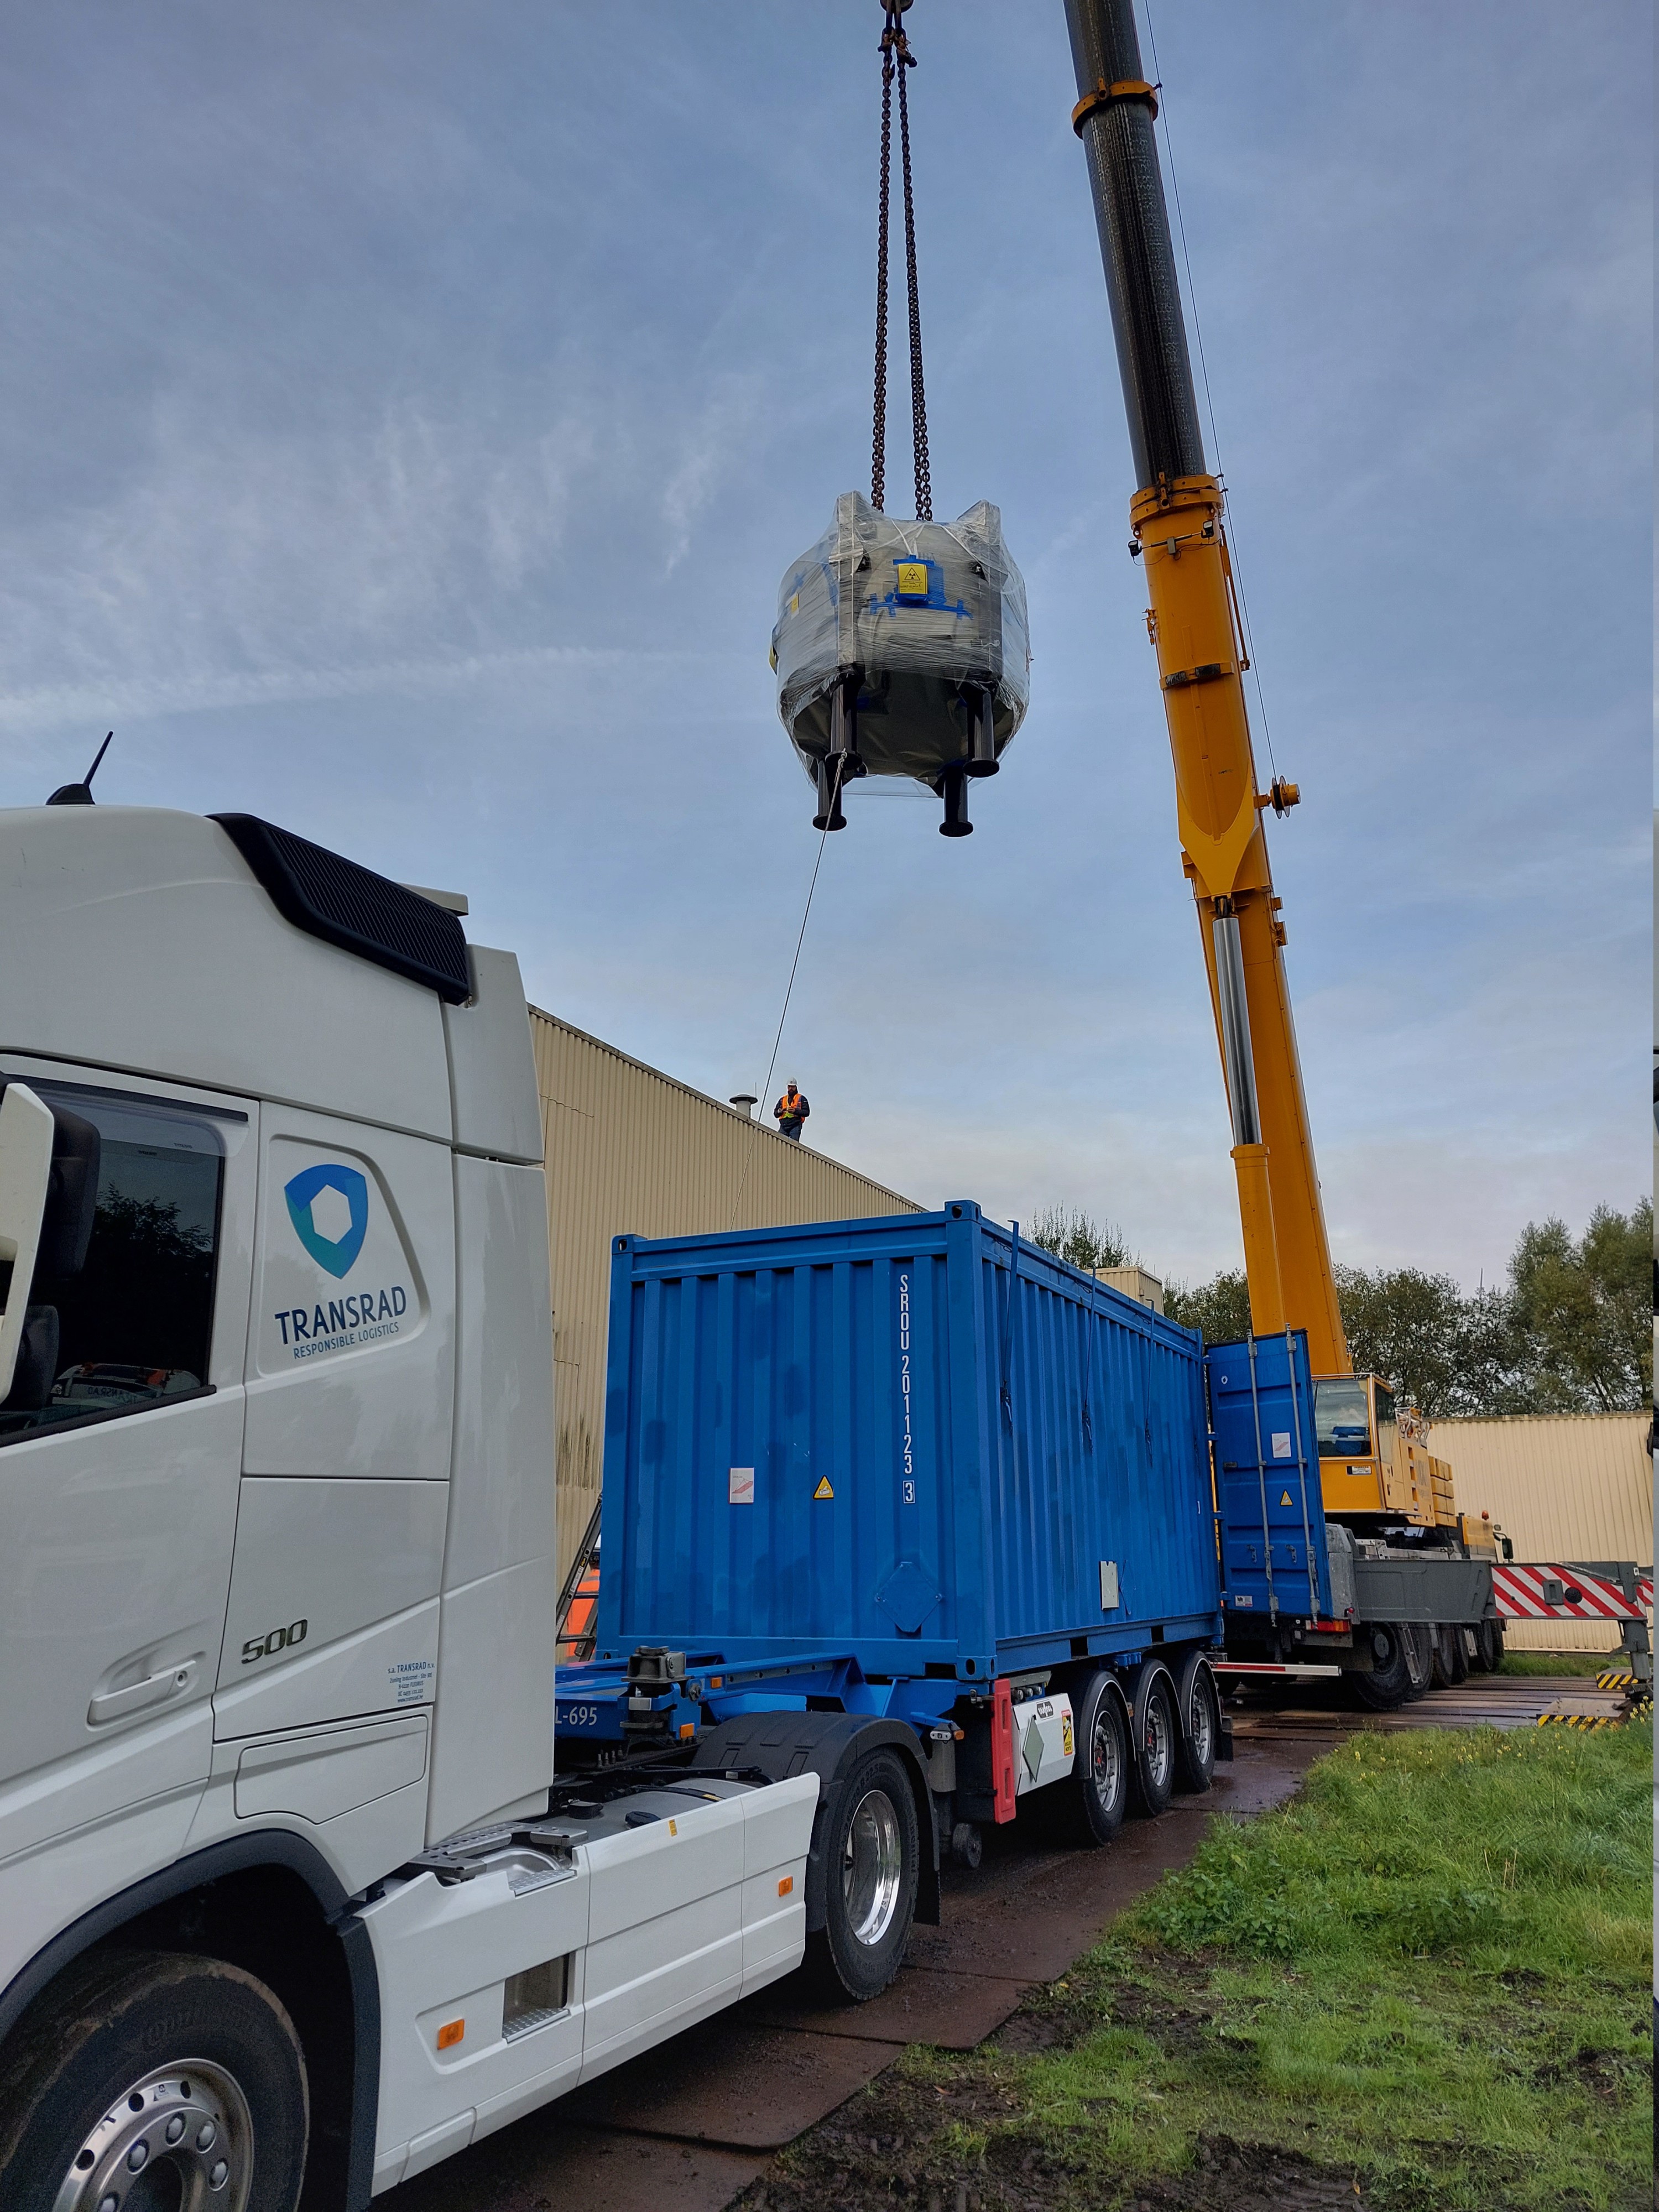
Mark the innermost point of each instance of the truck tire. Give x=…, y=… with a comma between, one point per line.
x=1419, y=1660
x=1157, y=1741
x=1099, y=1783
x=1200, y=1711
x=1488, y=1648
x=1451, y=1661
x=1390, y=1682
x=184, y=2071
x=872, y=1852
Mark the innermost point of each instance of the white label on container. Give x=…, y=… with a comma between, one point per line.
x=1108, y=1585
x=1281, y=1443
x=741, y=1486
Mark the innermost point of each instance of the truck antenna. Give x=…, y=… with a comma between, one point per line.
x=80, y=794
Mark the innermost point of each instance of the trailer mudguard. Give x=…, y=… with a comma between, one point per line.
x=781, y=1744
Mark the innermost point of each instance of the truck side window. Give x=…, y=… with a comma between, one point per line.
x=136, y=1325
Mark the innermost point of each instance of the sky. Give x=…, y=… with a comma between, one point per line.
x=409, y=412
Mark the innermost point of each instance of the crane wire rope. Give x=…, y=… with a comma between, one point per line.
x=896, y=59
x=1209, y=402
x=788, y=988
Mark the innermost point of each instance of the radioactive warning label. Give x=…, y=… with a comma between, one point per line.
x=1285, y=1498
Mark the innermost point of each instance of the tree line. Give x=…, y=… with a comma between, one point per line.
x=1569, y=1331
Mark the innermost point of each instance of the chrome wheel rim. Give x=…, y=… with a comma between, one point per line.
x=1105, y=1761
x=1155, y=1739
x=872, y=1867
x=1198, y=1720
x=179, y=2139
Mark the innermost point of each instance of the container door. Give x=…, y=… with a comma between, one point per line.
x=1272, y=1516
x=118, y=1496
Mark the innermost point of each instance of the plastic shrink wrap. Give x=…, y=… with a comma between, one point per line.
x=900, y=649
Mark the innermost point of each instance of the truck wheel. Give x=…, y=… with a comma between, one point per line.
x=1099, y=1783
x=1487, y=1649
x=872, y=1855
x=1157, y=1735
x=1201, y=1726
x=1419, y=1659
x=1389, y=1684
x=1451, y=1661
x=159, y=2083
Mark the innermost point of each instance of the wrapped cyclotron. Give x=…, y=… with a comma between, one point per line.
x=900, y=649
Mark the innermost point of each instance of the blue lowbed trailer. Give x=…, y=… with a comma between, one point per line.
x=912, y=1467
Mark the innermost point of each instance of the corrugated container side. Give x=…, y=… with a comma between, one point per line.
x=1562, y=1487
x=850, y=1435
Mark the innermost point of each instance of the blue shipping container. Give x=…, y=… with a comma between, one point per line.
x=1266, y=1461
x=919, y=1439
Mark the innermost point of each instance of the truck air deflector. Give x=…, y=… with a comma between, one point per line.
x=350, y=906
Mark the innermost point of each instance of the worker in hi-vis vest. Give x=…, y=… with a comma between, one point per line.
x=790, y=1110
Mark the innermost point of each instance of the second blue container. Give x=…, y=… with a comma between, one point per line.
x=915, y=1439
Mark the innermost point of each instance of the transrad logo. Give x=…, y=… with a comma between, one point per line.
x=329, y=1208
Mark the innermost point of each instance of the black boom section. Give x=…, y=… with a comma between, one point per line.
x=1114, y=122
x=352, y=908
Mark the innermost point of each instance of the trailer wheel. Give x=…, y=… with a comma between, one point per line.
x=161, y=2081
x=1487, y=1648
x=1389, y=1684
x=872, y=1853
x=1099, y=1785
x=1201, y=1726
x=1156, y=1738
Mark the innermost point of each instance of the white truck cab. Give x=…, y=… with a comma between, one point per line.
x=290, y=1905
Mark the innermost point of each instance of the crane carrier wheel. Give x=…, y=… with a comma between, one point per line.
x=162, y=2081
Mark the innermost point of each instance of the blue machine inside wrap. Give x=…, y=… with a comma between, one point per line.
x=1267, y=1464
x=916, y=1446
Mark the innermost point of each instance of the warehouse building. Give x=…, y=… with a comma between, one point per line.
x=1561, y=1487
x=631, y=1150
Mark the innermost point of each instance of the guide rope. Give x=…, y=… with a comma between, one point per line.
x=896, y=59
x=788, y=988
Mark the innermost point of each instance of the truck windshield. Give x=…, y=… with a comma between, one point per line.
x=1345, y=1428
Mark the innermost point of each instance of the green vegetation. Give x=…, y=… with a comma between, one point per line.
x=1571, y=1333
x=1560, y=1662
x=1423, y=1986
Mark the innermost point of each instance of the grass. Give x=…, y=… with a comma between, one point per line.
x=1560, y=1663
x=1423, y=1986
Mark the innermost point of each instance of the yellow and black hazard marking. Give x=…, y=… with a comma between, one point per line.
x=1615, y=1678
x=1588, y=1721
x=824, y=1489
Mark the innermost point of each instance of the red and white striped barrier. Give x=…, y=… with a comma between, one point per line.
x=1548, y=1592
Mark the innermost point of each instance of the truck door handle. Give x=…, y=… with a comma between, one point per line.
x=116, y=1704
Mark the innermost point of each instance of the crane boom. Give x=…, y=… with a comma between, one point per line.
x=1177, y=515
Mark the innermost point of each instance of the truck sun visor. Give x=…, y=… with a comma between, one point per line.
x=352, y=908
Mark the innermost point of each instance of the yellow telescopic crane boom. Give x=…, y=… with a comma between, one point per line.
x=1178, y=520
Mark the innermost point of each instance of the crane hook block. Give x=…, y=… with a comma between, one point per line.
x=901, y=650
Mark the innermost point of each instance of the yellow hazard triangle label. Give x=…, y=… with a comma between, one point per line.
x=824, y=1489
x=1285, y=1498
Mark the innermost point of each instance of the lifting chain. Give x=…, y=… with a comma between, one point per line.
x=896, y=59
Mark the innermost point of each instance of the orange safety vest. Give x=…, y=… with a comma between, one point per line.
x=790, y=1107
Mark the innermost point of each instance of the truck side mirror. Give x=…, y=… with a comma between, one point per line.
x=49, y=1165
x=28, y=1132
x=72, y=1196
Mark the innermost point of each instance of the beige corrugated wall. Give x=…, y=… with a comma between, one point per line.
x=629, y=1151
x=1563, y=1486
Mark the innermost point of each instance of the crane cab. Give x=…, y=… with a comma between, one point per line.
x=1374, y=1459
